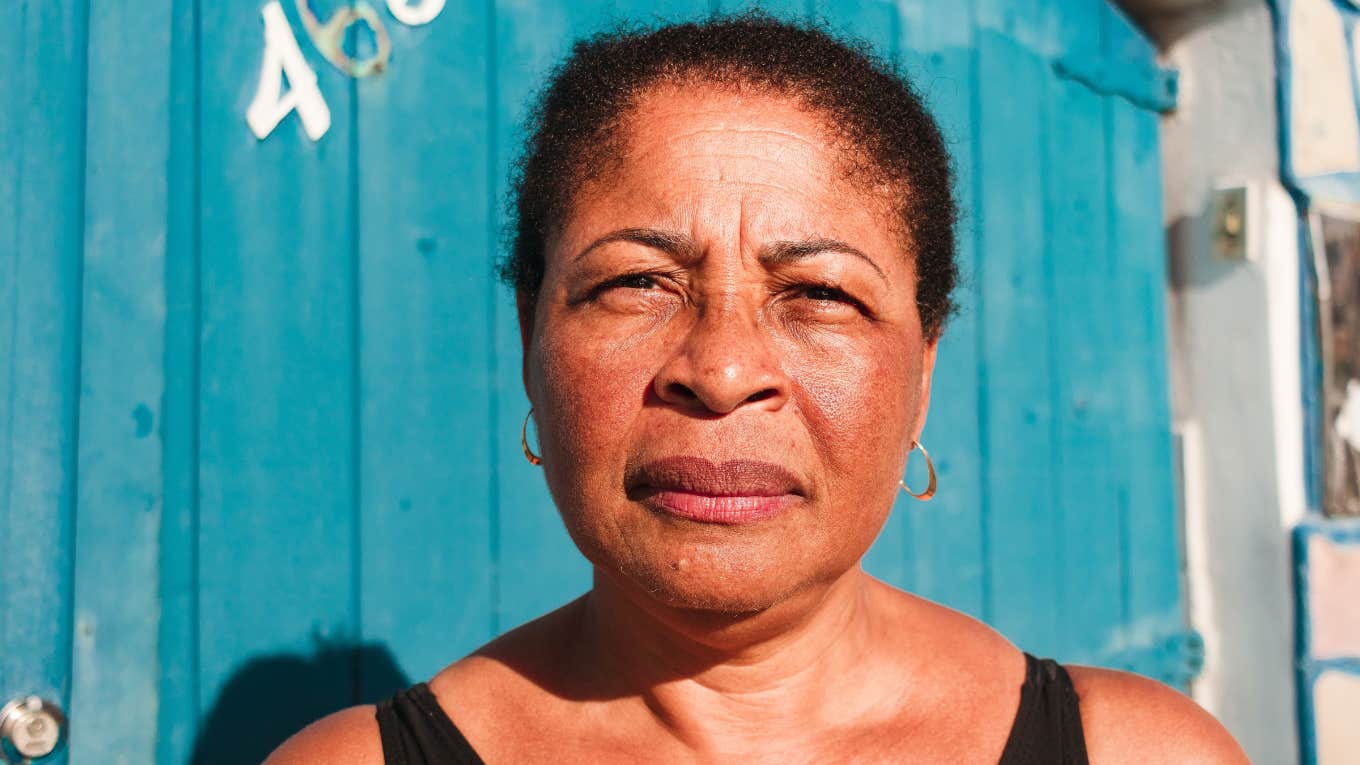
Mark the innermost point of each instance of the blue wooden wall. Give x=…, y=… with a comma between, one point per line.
x=260, y=399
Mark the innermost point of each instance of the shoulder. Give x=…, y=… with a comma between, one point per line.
x=959, y=646
x=493, y=686
x=1130, y=718
x=349, y=736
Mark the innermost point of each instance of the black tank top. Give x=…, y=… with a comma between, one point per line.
x=1046, y=731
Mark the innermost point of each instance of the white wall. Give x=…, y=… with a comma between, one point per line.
x=1235, y=365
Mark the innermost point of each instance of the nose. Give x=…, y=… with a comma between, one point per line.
x=724, y=362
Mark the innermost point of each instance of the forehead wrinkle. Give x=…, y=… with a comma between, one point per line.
x=837, y=158
x=829, y=166
x=817, y=132
x=789, y=134
x=805, y=155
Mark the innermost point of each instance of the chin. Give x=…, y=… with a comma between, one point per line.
x=729, y=578
x=724, y=570
x=714, y=594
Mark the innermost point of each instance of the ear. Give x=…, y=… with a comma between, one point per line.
x=927, y=374
x=525, y=308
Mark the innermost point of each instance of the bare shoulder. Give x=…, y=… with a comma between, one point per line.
x=349, y=736
x=960, y=644
x=496, y=683
x=1130, y=718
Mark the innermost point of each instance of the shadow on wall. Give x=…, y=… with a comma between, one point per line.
x=273, y=697
x=1169, y=21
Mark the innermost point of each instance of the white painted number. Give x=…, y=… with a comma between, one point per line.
x=282, y=57
x=423, y=12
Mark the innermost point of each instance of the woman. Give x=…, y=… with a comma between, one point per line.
x=733, y=262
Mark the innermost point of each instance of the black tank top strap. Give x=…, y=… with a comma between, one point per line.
x=416, y=731
x=1047, y=728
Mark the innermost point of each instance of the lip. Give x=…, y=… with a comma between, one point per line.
x=727, y=493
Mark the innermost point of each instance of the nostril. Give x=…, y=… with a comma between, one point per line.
x=760, y=395
x=682, y=391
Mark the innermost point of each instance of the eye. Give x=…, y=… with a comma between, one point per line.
x=632, y=281
x=829, y=295
x=635, y=290
x=822, y=301
x=822, y=292
x=646, y=281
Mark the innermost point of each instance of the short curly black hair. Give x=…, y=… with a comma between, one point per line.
x=891, y=141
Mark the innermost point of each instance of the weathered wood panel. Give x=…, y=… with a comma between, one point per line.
x=117, y=532
x=42, y=173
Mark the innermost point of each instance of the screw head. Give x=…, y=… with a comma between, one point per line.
x=31, y=727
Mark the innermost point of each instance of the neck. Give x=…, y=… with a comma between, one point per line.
x=717, y=679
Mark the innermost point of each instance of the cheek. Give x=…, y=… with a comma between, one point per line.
x=858, y=404
x=590, y=387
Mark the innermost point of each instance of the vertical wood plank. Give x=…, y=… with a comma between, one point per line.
x=13, y=86
x=786, y=9
x=947, y=533
x=179, y=700
x=277, y=412
x=426, y=331
x=874, y=21
x=1017, y=361
x=42, y=158
x=1087, y=406
x=662, y=11
x=122, y=342
x=1151, y=533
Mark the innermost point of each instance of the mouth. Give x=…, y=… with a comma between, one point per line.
x=726, y=493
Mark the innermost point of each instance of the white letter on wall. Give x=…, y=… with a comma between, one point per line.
x=422, y=12
x=282, y=57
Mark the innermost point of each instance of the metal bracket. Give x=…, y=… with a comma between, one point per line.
x=1231, y=215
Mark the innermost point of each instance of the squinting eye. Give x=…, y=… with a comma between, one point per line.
x=625, y=284
x=829, y=301
x=633, y=281
x=626, y=281
x=823, y=293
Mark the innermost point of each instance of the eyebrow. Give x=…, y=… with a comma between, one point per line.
x=682, y=246
x=785, y=252
x=673, y=243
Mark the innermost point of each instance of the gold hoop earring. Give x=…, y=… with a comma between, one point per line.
x=930, y=468
x=534, y=459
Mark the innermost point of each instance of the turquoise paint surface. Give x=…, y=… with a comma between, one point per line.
x=1087, y=333
x=119, y=475
x=266, y=395
x=42, y=200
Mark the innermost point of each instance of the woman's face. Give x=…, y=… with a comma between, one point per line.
x=725, y=359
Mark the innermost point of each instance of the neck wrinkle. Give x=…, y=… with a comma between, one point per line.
x=712, y=683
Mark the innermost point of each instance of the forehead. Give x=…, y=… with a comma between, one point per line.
x=701, y=150
x=671, y=121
